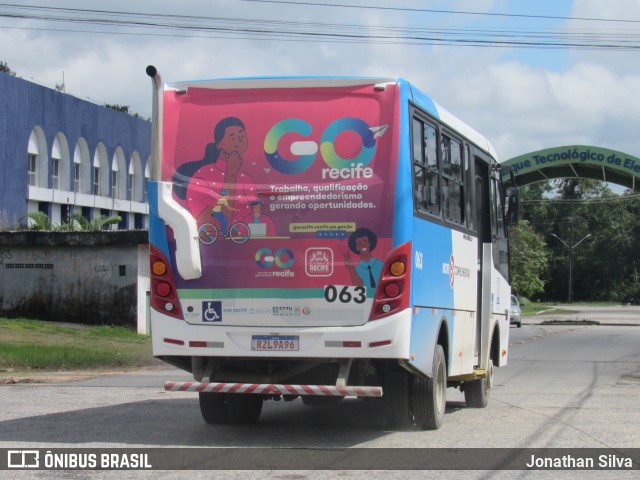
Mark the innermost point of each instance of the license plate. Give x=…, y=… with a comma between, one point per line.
x=275, y=343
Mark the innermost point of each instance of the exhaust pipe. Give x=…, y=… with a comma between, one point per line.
x=155, y=170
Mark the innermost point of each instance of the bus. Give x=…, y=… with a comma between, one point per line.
x=322, y=238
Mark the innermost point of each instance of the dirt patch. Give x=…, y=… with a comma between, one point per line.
x=13, y=377
x=570, y=322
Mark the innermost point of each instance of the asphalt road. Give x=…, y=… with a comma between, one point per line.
x=566, y=386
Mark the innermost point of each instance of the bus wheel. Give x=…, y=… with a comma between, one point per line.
x=396, y=399
x=244, y=408
x=213, y=407
x=429, y=395
x=476, y=392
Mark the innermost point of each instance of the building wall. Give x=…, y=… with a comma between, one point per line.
x=83, y=277
x=26, y=108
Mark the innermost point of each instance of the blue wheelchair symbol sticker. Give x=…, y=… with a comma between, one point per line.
x=211, y=311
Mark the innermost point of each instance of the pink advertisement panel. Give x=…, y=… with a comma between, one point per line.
x=292, y=189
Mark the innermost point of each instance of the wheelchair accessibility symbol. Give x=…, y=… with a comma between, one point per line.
x=211, y=312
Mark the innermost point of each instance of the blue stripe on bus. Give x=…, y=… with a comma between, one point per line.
x=157, y=227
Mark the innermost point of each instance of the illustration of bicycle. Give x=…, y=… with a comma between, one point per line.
x=239, y=233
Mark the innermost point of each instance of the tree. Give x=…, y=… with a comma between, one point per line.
x=4, y=68
x=605, y=265
x=123, y=109
x=118, y=108
x=38, y=221
x=528, y=260
x=95, y=225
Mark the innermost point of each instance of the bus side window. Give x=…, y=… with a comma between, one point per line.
x=468, y=189
x=425, y=168
x=498, y=230
x=452, y=187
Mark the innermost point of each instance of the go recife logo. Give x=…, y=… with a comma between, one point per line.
x=283, y=259
x=306, y=150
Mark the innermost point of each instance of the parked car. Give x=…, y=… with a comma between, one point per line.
x=516, y=312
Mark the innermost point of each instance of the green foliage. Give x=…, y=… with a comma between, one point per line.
x=124, y=109
x=606, y=265
x=95, y=225
x=40, y=221
x=528, y=260
x=118, y=108
x=4, y=68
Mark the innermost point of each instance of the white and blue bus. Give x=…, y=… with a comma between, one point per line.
x=324, y=238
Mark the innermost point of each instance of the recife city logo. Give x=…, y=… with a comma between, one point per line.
x=306, y=150
x=283, y=259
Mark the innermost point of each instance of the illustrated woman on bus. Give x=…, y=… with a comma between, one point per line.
x=367, y=272
x=216, y=187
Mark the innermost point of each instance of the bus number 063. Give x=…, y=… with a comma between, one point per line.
x=345, y=294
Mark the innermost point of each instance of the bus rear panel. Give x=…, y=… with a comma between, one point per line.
x=288, y=257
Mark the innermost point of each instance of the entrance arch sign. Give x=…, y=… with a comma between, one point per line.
x=576, y=161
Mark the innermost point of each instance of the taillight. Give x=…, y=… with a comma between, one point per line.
x=164, y=297
x=392, y=294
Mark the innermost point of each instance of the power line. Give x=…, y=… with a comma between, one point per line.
x=156, y=24
x=447, y=12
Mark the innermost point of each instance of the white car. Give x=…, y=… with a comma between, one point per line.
x=516, y=312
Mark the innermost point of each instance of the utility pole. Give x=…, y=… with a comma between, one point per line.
x=570, y=248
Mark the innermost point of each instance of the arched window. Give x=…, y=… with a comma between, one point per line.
x=81, y=168
x=135, y=178
x=60, y=163
x=118, y=175
x=147, y=175
x=100, y=177
x=37, y=159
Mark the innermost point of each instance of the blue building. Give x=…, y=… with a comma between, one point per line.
x=62, y=155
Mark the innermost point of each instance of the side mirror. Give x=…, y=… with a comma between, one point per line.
x=512, y=204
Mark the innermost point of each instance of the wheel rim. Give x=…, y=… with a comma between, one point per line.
x=239, y=233
x=440, y=389
x=208, y=233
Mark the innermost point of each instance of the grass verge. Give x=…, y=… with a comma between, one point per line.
x=535, y=308
x=34, y=345
x=548, y=308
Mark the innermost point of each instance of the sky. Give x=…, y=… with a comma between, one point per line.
x=480, y=59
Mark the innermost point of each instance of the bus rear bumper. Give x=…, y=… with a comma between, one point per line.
x=386, y=338
x=275, y=389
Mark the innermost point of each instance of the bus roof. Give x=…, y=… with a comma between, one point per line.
x=416, y=96
x=469, y=132
x=280, y=82
x=445, y=116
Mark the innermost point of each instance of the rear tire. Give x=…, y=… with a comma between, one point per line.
x=396, y=399
x=429, y=395
x=476, y=392
x=244, y=408
x=213, y=407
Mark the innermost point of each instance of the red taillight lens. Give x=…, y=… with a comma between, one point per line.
x=392, y=290
x=392, y=294
x=163, y=289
